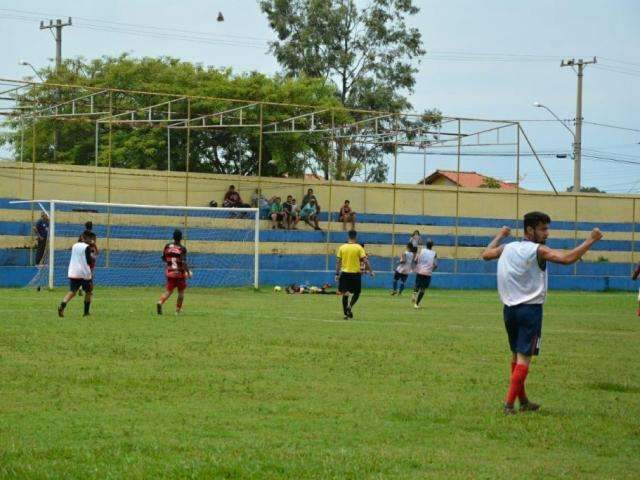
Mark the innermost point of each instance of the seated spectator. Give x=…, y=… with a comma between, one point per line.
x=232, y=199
x=347, y=216
x=277, y=214
x=293, y=214
x=260, y=201
x=309, y=214
x=307, y=198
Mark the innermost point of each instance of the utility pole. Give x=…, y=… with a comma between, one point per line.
x=58, y=26
x=577, y=144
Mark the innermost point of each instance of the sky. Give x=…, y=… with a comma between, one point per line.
x=490, y=59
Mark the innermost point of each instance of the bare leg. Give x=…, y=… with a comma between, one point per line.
x=179, y=302
x=67, y=298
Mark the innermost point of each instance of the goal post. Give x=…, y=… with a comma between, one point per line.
x=223, y=244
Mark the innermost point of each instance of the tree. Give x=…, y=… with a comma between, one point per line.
x=490, y=182
x=228, y=151
x=587, y=189
x=368, y=53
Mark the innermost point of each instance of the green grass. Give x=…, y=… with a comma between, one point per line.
x=265, y=385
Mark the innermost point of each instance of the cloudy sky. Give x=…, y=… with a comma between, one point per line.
x=488, y=59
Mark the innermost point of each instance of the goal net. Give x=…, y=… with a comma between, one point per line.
x=222, y=243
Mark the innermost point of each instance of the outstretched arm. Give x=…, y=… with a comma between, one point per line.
x=571, y=256
x=494, y=249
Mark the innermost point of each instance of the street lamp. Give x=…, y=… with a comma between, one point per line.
x=576, y=147
x=27, y=64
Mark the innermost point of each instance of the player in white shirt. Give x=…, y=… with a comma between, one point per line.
x=425, y=263
x=79, y=273
x=522, y=286
x=404, y=269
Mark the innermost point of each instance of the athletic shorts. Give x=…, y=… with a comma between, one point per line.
x=76, y=283
x=173, y=283
x=524, y=328
x=350, y=282
x=400, y=276
x=423, y=281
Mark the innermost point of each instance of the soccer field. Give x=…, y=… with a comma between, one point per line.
x=269, y=385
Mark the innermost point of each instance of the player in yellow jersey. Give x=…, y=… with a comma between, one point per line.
x=348, y=273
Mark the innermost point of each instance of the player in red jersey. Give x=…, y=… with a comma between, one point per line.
x=175, y=257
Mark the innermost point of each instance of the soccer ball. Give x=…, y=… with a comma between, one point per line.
x=277, y=288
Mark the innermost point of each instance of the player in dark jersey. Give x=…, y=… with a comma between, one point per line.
x=174, y=256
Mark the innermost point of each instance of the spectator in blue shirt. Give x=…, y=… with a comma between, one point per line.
x=41, y=230
x=309, y=214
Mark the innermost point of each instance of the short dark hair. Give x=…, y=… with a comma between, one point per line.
x=533, y=219
x=89, y=225
x=177, y=235
x=232, y=186
x=347, y=201
x=429, y=244
x=352, y=234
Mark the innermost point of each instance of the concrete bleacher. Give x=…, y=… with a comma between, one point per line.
x=306, y=255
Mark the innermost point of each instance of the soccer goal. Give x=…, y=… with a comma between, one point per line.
x=222, y=243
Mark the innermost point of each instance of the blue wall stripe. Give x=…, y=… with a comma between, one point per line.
x=20, y=257
x=20, y=276
x=427, y=220
x=284, y=236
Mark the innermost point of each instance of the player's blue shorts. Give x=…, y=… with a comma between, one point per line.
x=524, y=328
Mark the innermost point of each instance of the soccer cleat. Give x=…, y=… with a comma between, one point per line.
x=178, y=312
x=86, y=314
x=349, y=313
x=416, y=306
x=529, y=407
x=393, y=292
x=159, y=308
x=60, y=312
x=508, y=409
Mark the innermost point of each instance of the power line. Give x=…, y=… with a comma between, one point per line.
x=142, y=26
x=618, y=127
